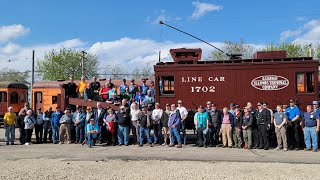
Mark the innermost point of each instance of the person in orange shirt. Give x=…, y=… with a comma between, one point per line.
x=81, y=86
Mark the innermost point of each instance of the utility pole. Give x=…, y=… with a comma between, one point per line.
x=82, y=62
x=32, y=80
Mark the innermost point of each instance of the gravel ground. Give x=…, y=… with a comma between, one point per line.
x=152, y=169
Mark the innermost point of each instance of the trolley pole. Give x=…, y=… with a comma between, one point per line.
x=32, y=80
x=82, y=63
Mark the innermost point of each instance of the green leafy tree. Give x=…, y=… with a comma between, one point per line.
x=293, y=49
x=229, y=47
x=64, y=63
x=14, y=75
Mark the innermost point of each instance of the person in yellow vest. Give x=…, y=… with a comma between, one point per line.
x=81, y=86
x=10, y=119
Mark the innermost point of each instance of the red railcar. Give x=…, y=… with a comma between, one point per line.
x=270, y=77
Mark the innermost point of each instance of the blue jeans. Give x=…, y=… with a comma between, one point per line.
x=55, y=134
x=183, y=129
x=79, y=133
x=174, y=133
x=145, y=130
x=10, y=129
x=310, y=134
x=123, y=135
x=91, y=140
x=102, y=132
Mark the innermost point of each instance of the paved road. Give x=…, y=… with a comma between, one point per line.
x=76, y=152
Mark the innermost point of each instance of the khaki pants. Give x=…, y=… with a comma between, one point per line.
x=64, y=129
x=281, y=137
x=226, y=134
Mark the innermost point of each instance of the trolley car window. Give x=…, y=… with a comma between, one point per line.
x=305, y=82
x=166, y=85
x=3, y=96
x=22, y=97
x=54, y=99
x=14, y=98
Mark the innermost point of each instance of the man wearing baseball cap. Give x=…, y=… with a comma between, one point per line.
x=293, y=114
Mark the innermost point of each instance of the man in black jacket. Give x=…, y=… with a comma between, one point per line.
x=263, y=120
x=254, y=127
x=214, y=116
x=98, y=119
x=123, y=126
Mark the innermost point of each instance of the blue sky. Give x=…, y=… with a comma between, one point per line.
x=108, y=27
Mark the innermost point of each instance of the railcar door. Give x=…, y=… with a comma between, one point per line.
x=3, y=102
x=38, y=100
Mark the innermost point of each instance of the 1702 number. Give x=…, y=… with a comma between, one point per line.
x=198, y=89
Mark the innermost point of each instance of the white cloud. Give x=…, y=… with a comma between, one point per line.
x=162, y=17
x=203, y=8
x=9, y=48
x=306, y=34
x=12, y=31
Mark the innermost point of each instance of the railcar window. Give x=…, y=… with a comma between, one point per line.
x=166, y=85
x=54, y=99
x=305, y=82
x=14, y=98
x=2, y=98
x=22, y=97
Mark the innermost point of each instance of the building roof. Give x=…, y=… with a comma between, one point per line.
x=7, y=84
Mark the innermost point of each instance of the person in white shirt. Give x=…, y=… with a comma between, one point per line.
x=135, y=115
x=39, y=126
x=184, y=115
x=156, y=117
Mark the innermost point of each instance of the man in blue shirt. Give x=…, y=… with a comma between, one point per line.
x=139, y=99
x=144, y=88
x=55, y=125
x=202, y=125
x=92, y=131
x=123, y=87
x=311, y=129
x=293, y=128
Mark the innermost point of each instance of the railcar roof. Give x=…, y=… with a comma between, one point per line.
x=241, y=61
x=8, y=84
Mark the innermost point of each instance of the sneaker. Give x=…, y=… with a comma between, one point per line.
x=90, y=146
x=151, y=145
x=285, y=149
x=307, y=149
x=27, y=144
x=278, y=148
x=7, y=143
x=171, y=145
x=12, y=143
x=68, y=142
x=296, y=149
x=179, y=146
x=140, y=145
x=164, y=144
x=315, y=150
x=76, y=142
x=61, y=142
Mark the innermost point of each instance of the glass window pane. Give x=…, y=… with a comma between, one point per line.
x=300, y=83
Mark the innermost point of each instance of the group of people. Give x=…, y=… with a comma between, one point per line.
x=236, y=127
x=110, y=93
x=253, y=128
